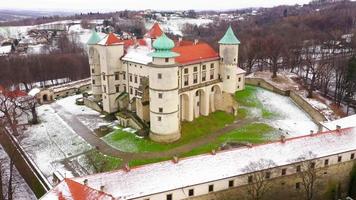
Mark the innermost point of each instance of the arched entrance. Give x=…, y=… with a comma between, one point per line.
x=184, y=107
x=215, y=98
x=45, y=98
x=200, y=103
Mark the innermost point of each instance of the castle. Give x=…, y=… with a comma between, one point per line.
x=164, y=81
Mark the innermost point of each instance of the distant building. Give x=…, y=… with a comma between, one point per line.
x=229, y=173
x=165, y=81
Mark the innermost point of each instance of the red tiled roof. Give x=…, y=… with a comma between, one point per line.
x=112, y=39
x=154, y=32
x=131, y=42
x=82, y=192
x=195, y=53
x=12, y=94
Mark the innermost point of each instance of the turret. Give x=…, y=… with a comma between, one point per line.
x=163, y=89
x=228, y=51
x=94, y=62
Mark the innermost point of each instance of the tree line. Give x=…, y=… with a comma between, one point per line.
x=316, y=44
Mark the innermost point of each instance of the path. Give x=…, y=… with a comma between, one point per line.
x=106, y=149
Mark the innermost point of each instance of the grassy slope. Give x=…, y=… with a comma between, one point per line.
x=190, y=131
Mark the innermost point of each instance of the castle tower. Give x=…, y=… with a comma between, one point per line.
x=163, y=89
x=228, y=51
x=94, y=62
x=111, y=50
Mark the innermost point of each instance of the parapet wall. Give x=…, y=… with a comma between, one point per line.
x=300, y=101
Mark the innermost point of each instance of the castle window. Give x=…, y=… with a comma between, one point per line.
x=169, y=197
x=160, y=110
x=159, y=118
x=222, y=59
x=117, y=87
x=160, y=95
x=284, y=171
x=203, y=77
x=234, y=59
x=231, y=183
x=212, y=66
x=92, y=70
x=136, y=93
x=212, y=89
x=124, y=88
x=166, y=60
x=268, y=175
x=228, y=77
x=116, y=76
x=131, y=90
x=211, y=188
x=195, y=78
x=298, y=168
x=249, y=179
x=186, y=71
x=312, y=165
x=104, y=88
x=297, y=185
x=352, y=156
x=197, y=93
x=239, y=79
x=191, y=192
x=135, y=65
x=124, y=76
x=159, y=75
x=93, y=81
x=195, y=69
x=104, y=77
x=186, y=80
x=130, y=77
x=204, y=67
x=135, y=79
x=339, y=159
x=326, y=162
x=211, y=74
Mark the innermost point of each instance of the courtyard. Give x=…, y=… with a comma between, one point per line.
x=65, y=140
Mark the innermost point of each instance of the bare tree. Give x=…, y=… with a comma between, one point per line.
x=258, y=183
x=7, y=186
x=307, y=172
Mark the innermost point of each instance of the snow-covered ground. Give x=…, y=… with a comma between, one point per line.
x=175, y=25
x=21, y=190
x=290, y=118
x=91, y=118
x=52, y=145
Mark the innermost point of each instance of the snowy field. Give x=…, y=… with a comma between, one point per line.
x=289, y=117
x=21, y=191
x=52, y=144
x=175, y=25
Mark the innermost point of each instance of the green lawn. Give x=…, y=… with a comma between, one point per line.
x=191, y=131
x=101, y=162
x=251, y=133
x=247, y=98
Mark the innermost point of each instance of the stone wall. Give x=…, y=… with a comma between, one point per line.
x=284, y=187
x=89, y=102
x=313, y=113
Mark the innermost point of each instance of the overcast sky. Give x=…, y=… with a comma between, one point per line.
x=110, y=5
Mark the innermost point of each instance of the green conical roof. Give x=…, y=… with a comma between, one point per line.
x=163, y=46
x=94, y=38
x=229, y=37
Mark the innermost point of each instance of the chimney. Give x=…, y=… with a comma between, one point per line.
x=196, y=41
x=213, y=152
x=102, y=188
x=175, y=159
x=311, y=132
x=85, y=181
x=127, y=167
x=338, y=127
x=283, y=138
x=135, y=42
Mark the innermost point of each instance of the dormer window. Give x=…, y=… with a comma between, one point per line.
x=166, y=59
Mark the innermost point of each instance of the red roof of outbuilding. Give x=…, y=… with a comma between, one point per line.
x=77, y=191
x=154, y=32
x=12, y=94
x=195, y=53
x=131, y=42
